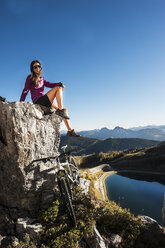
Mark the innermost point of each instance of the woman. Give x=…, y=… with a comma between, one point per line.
x=35, y=83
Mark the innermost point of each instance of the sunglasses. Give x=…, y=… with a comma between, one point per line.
x=37, y=66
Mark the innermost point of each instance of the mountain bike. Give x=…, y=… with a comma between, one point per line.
x=67, y=175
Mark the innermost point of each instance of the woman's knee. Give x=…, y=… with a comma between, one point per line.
x=57, y=88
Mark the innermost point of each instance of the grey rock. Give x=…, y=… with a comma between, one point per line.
x=100, y=242
x=97, y=241
x=4, y=221
x=115, y=240
x=1, y=238
x=47, y=198
x=28, y=226
x=8, y=240
x=13, y=213
x=151, y=224
x=82, y=244
x=84, y=184
x=26, y=134
x=11, y=228
x=151, y=234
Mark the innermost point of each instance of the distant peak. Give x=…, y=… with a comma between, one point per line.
x=104, y=129
x=118, y=128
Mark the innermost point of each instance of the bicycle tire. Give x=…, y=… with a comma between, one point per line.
x=67, y=198
x=69, y=186
x=72, y=161
x=75, y=173
x=67, y=182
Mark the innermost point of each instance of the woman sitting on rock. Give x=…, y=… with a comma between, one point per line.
x=35, y=83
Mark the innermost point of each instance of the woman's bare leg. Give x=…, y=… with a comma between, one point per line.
x=56, y=92
x=54, y=105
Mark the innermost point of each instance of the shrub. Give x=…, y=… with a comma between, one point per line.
x=49, y=215
x=113, y=219
x=26, y=243
x=58, y=231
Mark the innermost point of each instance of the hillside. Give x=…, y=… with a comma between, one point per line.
x=78, y=145
x=145, y=159
x=152, y=159
x=85, y=145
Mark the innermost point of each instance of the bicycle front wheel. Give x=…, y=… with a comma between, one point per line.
x=74, y=169
x=67, y=199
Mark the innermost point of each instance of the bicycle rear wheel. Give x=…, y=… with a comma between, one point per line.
x=67, y=198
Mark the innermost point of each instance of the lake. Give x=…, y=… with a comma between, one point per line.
x=141, y=193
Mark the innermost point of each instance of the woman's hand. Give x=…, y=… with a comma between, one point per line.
x=62, y=85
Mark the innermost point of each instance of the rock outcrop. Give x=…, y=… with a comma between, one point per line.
x=152, y=234
x=27, y=133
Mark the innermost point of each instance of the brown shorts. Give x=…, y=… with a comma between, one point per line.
x=44, y=101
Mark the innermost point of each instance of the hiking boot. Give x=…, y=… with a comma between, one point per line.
x=62, y=113
x=72, y=133
x=2, y=99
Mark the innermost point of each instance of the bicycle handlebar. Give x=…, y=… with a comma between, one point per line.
x=52, y=157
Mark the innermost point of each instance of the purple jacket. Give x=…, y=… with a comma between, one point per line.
x=38, y=91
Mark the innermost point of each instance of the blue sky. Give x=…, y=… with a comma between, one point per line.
x=110, y=54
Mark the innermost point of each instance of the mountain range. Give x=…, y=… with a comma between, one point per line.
x=148, y=132
x=161, y=127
